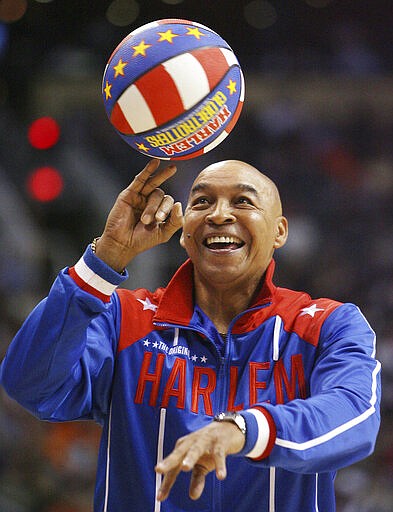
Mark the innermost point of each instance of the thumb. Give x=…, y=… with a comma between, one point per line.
x=174, y=222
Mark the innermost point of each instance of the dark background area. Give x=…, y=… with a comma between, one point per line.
x=317, y=119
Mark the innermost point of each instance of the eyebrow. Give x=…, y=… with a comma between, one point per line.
x=243, y=187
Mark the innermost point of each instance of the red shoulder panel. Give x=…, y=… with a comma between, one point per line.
x=302, y=314
x=137, y=311
x=299, y=312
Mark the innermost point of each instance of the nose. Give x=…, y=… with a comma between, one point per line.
x=221, y=213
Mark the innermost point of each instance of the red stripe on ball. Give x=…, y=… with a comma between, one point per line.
x=213, y=62
x=119, y=121
x=161, y=94
x=174, y=21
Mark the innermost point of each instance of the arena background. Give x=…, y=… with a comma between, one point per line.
x=317, y=119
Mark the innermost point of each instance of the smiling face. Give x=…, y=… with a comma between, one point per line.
x=232, y=224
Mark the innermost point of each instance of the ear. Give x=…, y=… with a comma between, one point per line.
x=281, y=232
x=182, y=240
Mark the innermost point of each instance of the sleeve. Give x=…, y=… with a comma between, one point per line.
x=337, y=425
x=60, y=364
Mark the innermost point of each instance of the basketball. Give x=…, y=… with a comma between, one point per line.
x=173, y=89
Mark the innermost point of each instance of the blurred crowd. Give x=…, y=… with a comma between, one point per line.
x=331, y=156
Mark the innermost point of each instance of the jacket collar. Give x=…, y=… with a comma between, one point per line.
x=177, y=302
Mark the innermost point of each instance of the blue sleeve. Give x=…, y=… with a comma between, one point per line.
x=338, y=424
x=60, y=364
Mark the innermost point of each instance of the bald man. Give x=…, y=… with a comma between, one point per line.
x=248, y=395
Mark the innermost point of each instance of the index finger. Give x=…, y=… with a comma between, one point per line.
x=185, y=455
x=145, y=182
x=172, y=461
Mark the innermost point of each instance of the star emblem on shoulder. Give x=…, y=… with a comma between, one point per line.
x=147, y=304
x=310, y=310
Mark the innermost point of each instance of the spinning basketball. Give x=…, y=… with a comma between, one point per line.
x=173, y=89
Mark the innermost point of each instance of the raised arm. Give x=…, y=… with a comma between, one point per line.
x=60, y=364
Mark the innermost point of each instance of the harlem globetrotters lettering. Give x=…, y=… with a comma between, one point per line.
x=195, y=129
x=203, y=381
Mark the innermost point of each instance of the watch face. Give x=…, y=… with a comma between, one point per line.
x=233, y=417
x=222, y=416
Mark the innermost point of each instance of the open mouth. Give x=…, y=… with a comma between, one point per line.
x=219, y=243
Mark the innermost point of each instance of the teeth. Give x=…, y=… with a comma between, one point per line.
x=223, y=240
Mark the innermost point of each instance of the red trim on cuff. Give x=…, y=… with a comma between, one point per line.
x=272, y=432
x=86, y=287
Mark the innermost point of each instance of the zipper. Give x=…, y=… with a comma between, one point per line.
x=225, y=361
x=221, y=370
x=220, y=358
x=222, y=398
x=188, y=328
x=223, y=380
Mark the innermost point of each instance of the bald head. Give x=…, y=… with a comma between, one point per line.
x=248, y=177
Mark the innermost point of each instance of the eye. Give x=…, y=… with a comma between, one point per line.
x=243, y=200
x=200, y=201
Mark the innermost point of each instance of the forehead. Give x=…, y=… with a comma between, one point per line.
x=233, y=179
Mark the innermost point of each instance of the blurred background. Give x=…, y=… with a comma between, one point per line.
x=317, y=119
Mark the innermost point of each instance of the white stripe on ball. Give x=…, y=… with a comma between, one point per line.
x=189, y=77
x=136, y=110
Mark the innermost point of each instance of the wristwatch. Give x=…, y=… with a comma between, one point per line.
x=233, y=417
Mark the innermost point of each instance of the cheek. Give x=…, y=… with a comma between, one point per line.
x=262, y=239
x=190, y=225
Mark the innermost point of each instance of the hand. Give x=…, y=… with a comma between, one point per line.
x=201, y=452
x=143, y=216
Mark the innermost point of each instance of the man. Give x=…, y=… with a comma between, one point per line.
x=293, y=381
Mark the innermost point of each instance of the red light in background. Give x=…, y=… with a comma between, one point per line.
x=43, y=133
x=12, y=10
x=45, y=184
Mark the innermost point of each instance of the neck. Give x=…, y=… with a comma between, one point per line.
x=223, y=303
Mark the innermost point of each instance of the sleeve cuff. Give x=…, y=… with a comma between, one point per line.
x=261, y=433
x=94, y=276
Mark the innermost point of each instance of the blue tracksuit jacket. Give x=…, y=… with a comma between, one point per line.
x=151, y=367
